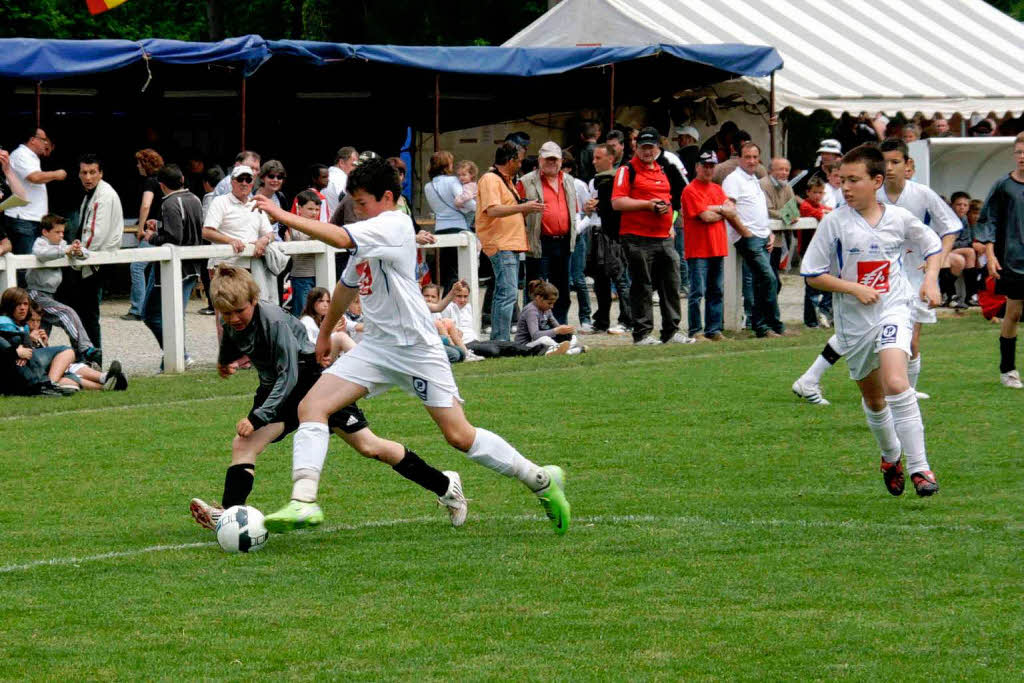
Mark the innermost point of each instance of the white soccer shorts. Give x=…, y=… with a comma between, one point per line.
x=862, y=357
x=420, y=371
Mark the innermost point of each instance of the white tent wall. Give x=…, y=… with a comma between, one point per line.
x=946, y=56
x=971, y=165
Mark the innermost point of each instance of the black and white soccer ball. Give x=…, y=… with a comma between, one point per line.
x=241, y=530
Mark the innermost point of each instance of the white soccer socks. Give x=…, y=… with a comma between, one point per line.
x=914, y=371
x=817, y=370
x=309, y=451
x=493, y=452
x=906, y=417
x=881, y=425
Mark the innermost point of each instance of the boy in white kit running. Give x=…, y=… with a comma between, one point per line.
x=400, y=347
x=925, y=205
x=858, y=253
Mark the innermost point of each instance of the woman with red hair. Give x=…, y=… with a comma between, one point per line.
x=148, y=162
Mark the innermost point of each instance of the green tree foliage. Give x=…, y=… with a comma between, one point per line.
x=399, y=22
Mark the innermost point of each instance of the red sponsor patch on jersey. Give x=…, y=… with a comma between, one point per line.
x=874, y=274
x=365, y=278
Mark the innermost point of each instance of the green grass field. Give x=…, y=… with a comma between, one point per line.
x=723, y=530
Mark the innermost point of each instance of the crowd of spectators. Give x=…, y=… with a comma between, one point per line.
x=619, y=213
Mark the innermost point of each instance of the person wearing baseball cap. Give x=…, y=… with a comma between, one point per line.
x=551, y=235
x=828, y=151
x=688, y=152
x=644, y=195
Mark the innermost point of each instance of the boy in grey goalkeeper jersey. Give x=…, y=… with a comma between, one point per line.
x=279, y=348
x=1001, y=229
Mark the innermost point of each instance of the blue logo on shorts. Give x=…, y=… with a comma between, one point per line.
x=888, y=334
x=420, y=387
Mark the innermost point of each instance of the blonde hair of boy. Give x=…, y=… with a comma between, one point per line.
x=232, y=288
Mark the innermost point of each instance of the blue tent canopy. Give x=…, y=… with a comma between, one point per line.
x=42, y=60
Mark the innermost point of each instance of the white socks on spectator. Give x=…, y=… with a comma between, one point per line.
x=906, y=417
x=881, y=425
x=914, y=371
x=309, y=450
x=817, y=370
x=493, y=452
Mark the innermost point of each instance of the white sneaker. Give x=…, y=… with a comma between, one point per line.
x=557, y=350
x=809, y=392
x=823, y=321
x=586, y=328
x=1011, y=379
x=680, y=338
x=576, y=350
x=472, y=357
x=647, y=341
x=921, y=396
x=206, y=515
x=453, y=499
x=189, y=362
x=617, y=329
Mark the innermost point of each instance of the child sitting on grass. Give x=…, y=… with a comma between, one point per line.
x=538, y=326
x=78, y=375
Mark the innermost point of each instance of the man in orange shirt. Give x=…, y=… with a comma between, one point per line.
x=643, y=194
x=501, y=230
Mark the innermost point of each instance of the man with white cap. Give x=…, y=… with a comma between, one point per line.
x=688, y=153
x=828, y=151
x=551, y=235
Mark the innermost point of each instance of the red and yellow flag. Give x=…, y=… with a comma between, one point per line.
x=98, y=6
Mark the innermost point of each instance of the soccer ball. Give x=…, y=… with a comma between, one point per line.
x=240, y=529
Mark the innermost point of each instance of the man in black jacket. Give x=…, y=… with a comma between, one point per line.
x=605, y=262
x=181, y=217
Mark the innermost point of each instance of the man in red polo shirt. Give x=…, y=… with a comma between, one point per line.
x=705, y=210
x=643, y=195
x=552, y=234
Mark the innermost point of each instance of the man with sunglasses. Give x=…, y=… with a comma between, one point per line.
x=231, y=220
x=23, y=221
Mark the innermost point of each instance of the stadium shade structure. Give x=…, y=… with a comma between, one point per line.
x=472, y=84
x=945, y=56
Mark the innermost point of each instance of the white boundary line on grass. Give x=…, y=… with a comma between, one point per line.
x=681, y=520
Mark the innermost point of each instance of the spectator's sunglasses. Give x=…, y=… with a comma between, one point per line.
x=247, y=179
x=275, y=176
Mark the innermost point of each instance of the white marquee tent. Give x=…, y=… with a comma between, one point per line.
x=948, y=56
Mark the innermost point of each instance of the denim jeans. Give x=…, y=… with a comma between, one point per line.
x=22, y=234
x=152, y=305
x=506, y=285
x=748, y=295
x=707, y=282
x=137, y=299
x=764, y=312
x=816, y=300
x=680, y=245
x=577, y=279
x=300, y=288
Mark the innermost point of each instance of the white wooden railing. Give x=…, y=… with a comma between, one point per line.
x=170, y=257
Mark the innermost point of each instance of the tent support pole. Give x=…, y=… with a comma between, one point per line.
x=39, y=103
x=243, y=113
x=611, y=99
x=771, y=117
x=437, y=113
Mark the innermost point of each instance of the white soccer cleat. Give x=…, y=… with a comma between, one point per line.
x=809, y=392
x=453, y=499
x=1011, y=379
x=206, y=515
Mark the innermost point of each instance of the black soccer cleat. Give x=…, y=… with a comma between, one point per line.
x=892, y=475
x=924, y=483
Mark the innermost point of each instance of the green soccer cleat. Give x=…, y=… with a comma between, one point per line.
x=294, y=515
x=552, y=498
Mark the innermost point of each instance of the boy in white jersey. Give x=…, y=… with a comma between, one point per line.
x=400, y=347
x=857, y=253
x=926, y=206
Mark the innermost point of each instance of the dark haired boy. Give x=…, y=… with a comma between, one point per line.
x=310, y=204
x=400, y=347
x=858, y=253
x=278, y=346
x=42, y=284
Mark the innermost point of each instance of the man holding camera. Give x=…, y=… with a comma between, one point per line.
x=643, y=194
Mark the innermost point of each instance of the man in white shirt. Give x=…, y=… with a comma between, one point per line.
x=23, y=221
x=400, y=348
x=231, y=219
x=744, y=189
x=344, y=161
x=249, y=159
